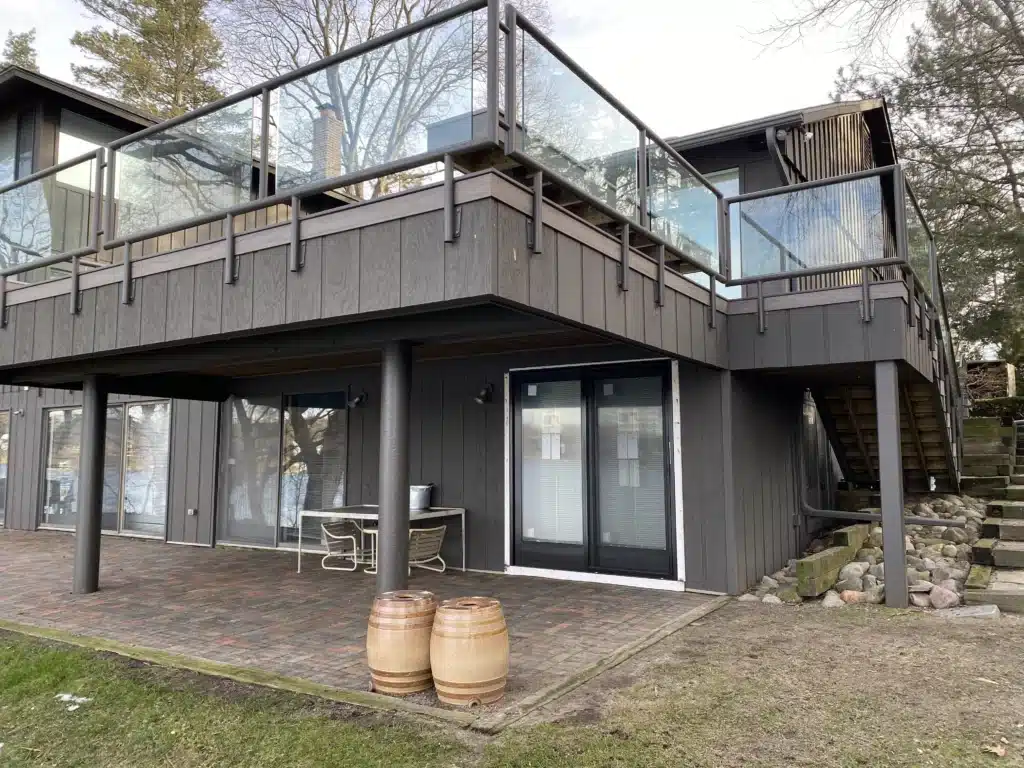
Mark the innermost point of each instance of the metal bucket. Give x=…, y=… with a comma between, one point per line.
x=419, y=496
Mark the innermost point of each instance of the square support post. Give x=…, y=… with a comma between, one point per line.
x=393, y=493
x=890, y=475
x=90, y=487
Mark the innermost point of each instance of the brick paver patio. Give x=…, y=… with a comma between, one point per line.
x=250, y=608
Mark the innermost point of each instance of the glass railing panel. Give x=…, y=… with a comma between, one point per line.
x=918, y=245
x=198, y=168
x=572, y=131
x=413, y=96
x=47, y=217
x=833, y=225
x=683, y=211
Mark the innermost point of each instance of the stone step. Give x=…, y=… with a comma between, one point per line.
x=1011, y=510
x=1008, y=554
x=1009, y=597
x=1015, y=492
x=1002, y=529
x=1016, y=479
x=978, y=469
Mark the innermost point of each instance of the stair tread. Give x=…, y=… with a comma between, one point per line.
x=1004, y=522
x=1015, y=546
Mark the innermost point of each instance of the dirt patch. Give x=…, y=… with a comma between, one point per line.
x=757, y=685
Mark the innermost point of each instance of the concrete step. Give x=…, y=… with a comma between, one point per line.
x=1016, y=479
x=978, y=469
x=1008, y=554
x=1006, y=589
x=1011, y=510
x=1015, y=492
x=1002, y=529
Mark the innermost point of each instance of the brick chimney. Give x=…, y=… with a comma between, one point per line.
x=327, y=133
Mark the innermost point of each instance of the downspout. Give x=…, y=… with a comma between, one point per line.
x=771, y=137
x=838, y=514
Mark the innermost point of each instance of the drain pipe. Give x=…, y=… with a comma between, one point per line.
x=839, y=514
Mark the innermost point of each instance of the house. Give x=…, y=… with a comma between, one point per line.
x=629, y=359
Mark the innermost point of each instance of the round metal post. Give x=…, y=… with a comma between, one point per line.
x=393, y=496
x=90, y=487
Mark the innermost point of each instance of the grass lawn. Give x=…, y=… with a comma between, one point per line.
x=746, y=686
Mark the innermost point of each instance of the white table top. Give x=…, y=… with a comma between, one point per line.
x=369, y=512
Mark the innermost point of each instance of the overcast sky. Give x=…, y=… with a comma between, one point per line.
x=681, y=65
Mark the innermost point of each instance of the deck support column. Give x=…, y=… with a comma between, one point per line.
x=90, y=487
x=393, y=495
x=890, y=475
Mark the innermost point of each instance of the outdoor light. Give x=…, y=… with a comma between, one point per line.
x=357, y=402
x=485, y=395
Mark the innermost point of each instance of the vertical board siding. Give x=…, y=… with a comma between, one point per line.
x=152, y=298
x=237, y=301
x=422, y=266
x=270, y=269
x=302, y=292
x=766, y=424
x=340, y=282
x=206, y=312
x=470, y=263
x=380, y=278
x=570, y=277
x=42, y=347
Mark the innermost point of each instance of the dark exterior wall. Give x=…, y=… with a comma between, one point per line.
x=707, y=491
x=831, y=147
x=193, y=459
x=766, y=425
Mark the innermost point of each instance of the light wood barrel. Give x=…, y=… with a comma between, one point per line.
x=469, y=651
x=398, y=642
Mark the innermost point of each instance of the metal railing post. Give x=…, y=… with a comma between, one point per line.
x=867, y=313
x=449, y=199
x=97, y=210
x=724, y=239
x=264, y=189
x=295, y=247
x=511, y=98
x=641, y=178
x=659, y=298
x=493, y=33
x=538, y=213
x=73, y=291
x=624, y=256
x=127, y=286
x=229, y=249
x=3, y=301
x=109, y=228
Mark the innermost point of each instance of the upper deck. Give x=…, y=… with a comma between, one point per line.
x=463, y=160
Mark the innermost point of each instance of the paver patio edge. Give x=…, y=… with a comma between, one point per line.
x=248, y=675
x=496, y=723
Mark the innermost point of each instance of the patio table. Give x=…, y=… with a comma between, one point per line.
x=369, y=513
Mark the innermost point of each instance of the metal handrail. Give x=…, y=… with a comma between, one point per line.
x=53, y=169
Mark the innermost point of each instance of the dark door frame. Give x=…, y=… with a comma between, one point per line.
x=584, y=558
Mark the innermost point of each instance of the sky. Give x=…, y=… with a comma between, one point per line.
x=681, y=65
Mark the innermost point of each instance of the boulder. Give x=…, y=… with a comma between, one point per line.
x=771, y=600
x=832, y=600
x=747, y=597
x=789, y=595
x=952, y=585
x=941, y=597
x=853, y=571
x=941, y=573
x=873, y=596
x=956, y=535
x=878, y=571
x=916, y=562
x=923, y=510
x=869, y=581
x=875, y=537
x=920, y=586
x=767, y=582
x=851, y=584
x=950, y=550
x=919, y=600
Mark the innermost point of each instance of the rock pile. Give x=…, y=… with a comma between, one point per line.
x=938, y=560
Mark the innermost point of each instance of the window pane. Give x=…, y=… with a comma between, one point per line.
x=631, y=463
x=684, y=212
x=5, y=446
x=113, y=458
x=8, y=148
x=313, y=461
x=147, y=468
x=253, y=458
x=26, y=143
x=390, y=103
x=60, y=491
x=552, y=463
x=571, y=130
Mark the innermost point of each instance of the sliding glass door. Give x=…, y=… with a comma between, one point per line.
x=591, y=470
x=136, y=468
x=283, y=456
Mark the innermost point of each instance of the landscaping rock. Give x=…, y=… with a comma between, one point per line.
x=851, y=584
x=955, y=535
x=747, y=597
x=873, y=596
x=767, y=582
x=875, y=536
x=920, y=586
x=941, y=597
x=771, y=600
x=789, y=595
x=870, y=582
x=941, y=573
x=923, y=510
x=878, y=571
x=950, y=550
x=833, y=600
x=970, y=612
x=919, y=600
x=853, y=571
x=952, y=585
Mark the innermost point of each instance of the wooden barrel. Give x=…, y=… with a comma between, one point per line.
x=398, y=642
x=469, y=651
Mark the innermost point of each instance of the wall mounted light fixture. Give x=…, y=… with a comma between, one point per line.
x=485, y=395
x=357, y=402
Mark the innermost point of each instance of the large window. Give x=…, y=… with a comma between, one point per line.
x=282, y=457
x=728, y=183
x=136, y=468
x=5, y=452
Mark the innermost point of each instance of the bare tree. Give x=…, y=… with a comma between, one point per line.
x=866, y=22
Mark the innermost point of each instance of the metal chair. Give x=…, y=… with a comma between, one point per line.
x=425, y=547
x=342, y=538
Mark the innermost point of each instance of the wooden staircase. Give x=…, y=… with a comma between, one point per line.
x=850, y=417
